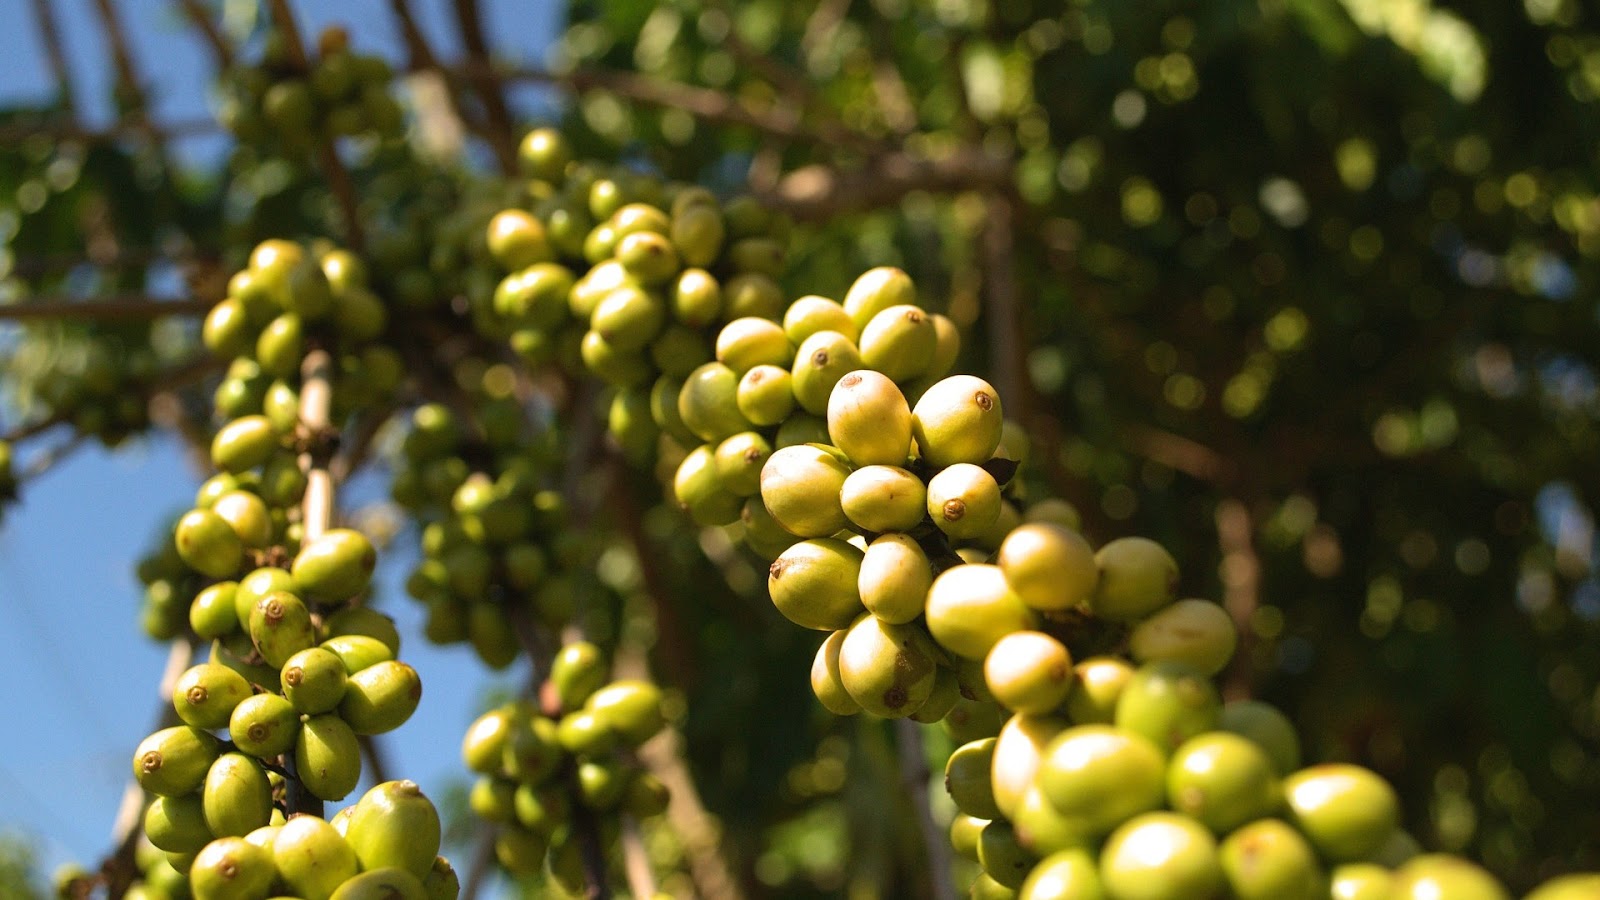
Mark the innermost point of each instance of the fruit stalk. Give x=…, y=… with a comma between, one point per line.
x=316, y=511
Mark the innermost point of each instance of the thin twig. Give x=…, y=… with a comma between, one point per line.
x=52, y=457
x=688, y=818
x=66, y=131
x=818, y=192
x=377, y=760
x=55, y=52
x=201, y=19
x=486, y=82
x=129, y=87
x=636, y=860
x=417, y=47
x=1241, y=590
x=128, y=307
x=914, y=773
x=482, y=857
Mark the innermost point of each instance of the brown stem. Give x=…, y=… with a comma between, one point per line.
x=201, y=19
x=1241, y=590
x=104, y=309
x=914, y=775
x=64, y=131
x=417, y=46
x=478, y=866
x=677, y=654
x=696, y=828
x=55, y=52
x=377, y=760
x=636, y=860
x=486, y=82
x=119, y=868
x=819, y=192
x=129, y=87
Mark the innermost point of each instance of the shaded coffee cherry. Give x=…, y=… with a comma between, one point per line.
x=1198, y=633
x=1051, y=568
x=814, y=584
x=177, y=824
x=1101, y=776
x=230, y=868
x=1137, y=577
x=394, y=824
x=208, y=544
x=1268, y=860
x=1160, y=856
x=1168, y=703
x=236, y=798
x=1070, y=874
x=328, y=757
x=1019, y=751
x=1268, y=728
x=1222, y=781
x=826, y=682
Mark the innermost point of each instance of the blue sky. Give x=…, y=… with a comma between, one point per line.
x=77, y=676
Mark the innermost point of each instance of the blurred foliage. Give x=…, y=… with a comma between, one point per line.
x=1332, y=260
x=19, y=876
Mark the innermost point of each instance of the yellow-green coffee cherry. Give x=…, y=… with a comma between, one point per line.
x=700, y=492
x=243, y=444
x=819, y=362
x=208, y=544
x=894, y=578
x=532, y=752
x=708, y=403
x=312, y=859
x=739, y=460
x=230, y=868
x=869, y=419
x=1028, y=671
x=1041, y=828
x=814, y=584
x=1137, y=577
x=327, y=757
x=1566, y=887
x=358, y=651
x=888, y=669
x=257, y=585
x=1222, y=781
x=264, y=725
x=747, y=342
x=1444, y=875
x=1268, y=860
x=1097, y=685
x=696, y=298
x=628, y=318
x=697, y=232
x=1168, y=702
x=1070, y=874
x=946, y=692
x=1161, y=856
x=1197, y=632
x=1050, y=567
x=247, y=515
x=1100, y=776
x=388, y=883
x=236, y=798
x=765, y=395
x=577, y=671
x=1003, y=858
x=825, y=679
x=486, y=740
x=174, y=761
x=811, y=314
x=1267, y=728
x=395, y=825
x=880, y=499
x=957, y=420
x=381, y=697
x=971, y=607
x=280, y=627
x=631, y=708
x=211, y=614
x=334, y=567
x=963, y=500
x=314, y=680
x=517, y=240
x=1019, y=752
x=899, y=342
x=876, y=290
x=205, y=695
x=966, y=779
x=177, y=824
x=364, y=621
x=1346, y=811
x=800, y=486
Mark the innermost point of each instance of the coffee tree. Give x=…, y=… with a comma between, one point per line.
x=1101, y=451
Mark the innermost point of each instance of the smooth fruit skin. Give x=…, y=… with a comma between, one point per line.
x=208, y=544
x=328, y=757
x=814, y=584
x=395, y=825
x=280, y=627
x=1270, y=729
x=237, y=797
x=314, y=680
x=206, y=695
x=1097, y=684
x=243, y=444
x=957, y=420
x=825, y=681
x=819, y=363
x=335, y=567
x=894, y=578
x=1050, y=567
x=1568, y=887
x=631, y=708
x=1100, y=775
x=381, y=697
x=1346, y=811
x=879, y=499
x=800, y=486
x=1268, y=860
x=357, y=651
x=1197, y=632
x=888, y=669
x=388, y=883
x=1168, y=703
x=900, y=342
x=1019, y=752
x=1042, y=828
x=1440, y=875
x=264, y=725
x=312, y=858
x=1028, y=671
x=1002, y=857
x=971, y=607
x=1137, y=577
x=964, y=835
x=174, y=761
x=811, y=314
x=486, y=740
x=177, y=824
x=577, y=671
x=1222, y=780
x=963, y=501
x=231, y=868
x=1064, y=875
x=1360, y=881
x=1160, y=856
x=966, y=779
x=875, y=290
x=869, y=419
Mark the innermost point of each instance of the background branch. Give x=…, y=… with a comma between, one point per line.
x=129, y=307
x=501, y=131
x=914, y=775
x=200, y=18
x=55, y=54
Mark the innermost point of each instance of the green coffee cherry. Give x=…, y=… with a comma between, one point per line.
x=585, y=733
x=388, y=883
x=230, y=868
x=811, y=314
x=963, y=501
x=363, y=621
x=1442, y=875
x=486, y=740
x=1268, y=728
x=696, y=298
x=699, y=491
x=381, y=697
x=312, y=859
x=280, y=627
x=281, y=345
x=876, y=290
x=174, y=761
x=226, y=331
x=971, y=607
x=957, y=420
x=395, y=825
x=257, y=585
x=543, y=154
x=334, y=567
x=894, y=577
x=965, y=833
x=708, y=403
x=1360, y=881
x=1101, y=776
x=1028, y=671
x=541, y=810
x=648, y=256
x=628, y=318
x=1196, y=632
x=264, y=725
x=243, y=444
x=801, y=428
x=357, y=651
x=314, y=680
x=765, y=395
x=493, y=799
x=1346, y=811
x=966, y=779
x=1222, y=781
x=747, y=342
x=800, y=486
x=1050, y=567
x=899, y=342
x=631, y=708
x=576, y=672
x=819, y=363
x=1268, y=860
x=752, y=294
x=205, y=695
x=1568, y=887
x=517, y=240
x=520, y=851
x=236, y=799
x=1168, y=703
x=879, y=499
x=697, y=233
x=247, y=515
x=1137, y=578
x=327, y=757
x=888, y=669
x=1160, y=856
x=739, y=460
x=869, y=419
x=826, y=682
x=1064, y=875
x=1042, y=829
x=177, y=824
x=208, y=544
x=212, y=614
x=532, y=750
x=1002, y=857
x=1019, y=751
x=814, y=584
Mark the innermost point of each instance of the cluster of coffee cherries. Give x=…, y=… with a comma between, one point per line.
x=384, y=845
x=289, y=298
x=281, y=106
x=622, y=276
x=493, y=531
x=538, y=760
